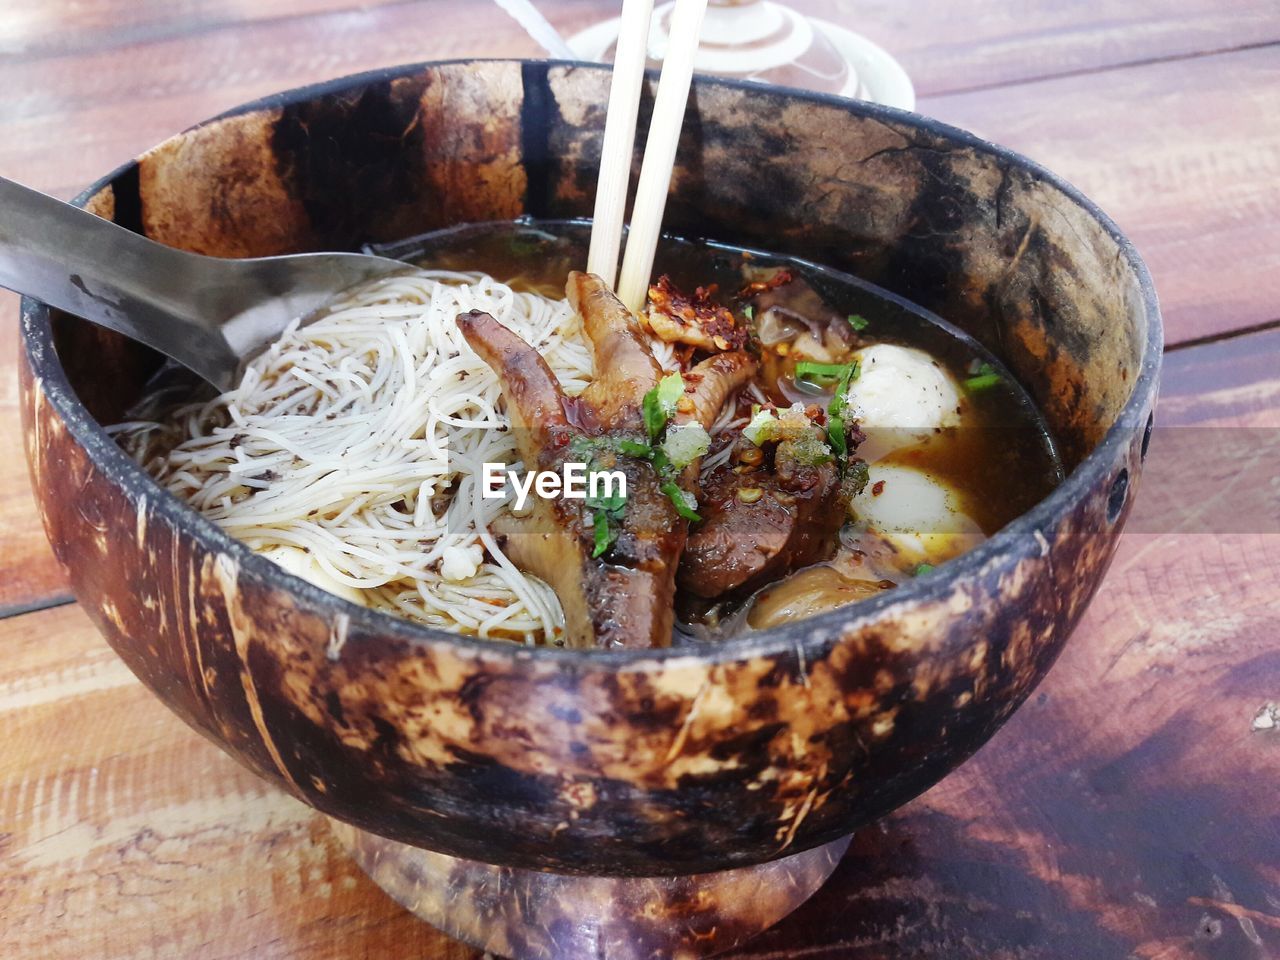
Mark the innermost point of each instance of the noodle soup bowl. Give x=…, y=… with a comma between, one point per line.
x=598, y=763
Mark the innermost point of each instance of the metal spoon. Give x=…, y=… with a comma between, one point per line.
x=207, y=313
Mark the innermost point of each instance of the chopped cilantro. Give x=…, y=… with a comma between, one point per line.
x=614, y=503
x=606, y=519
x=583, y=447
x=654, y=418
x=607, y=511
x=858, y=322
x=835, y=415
x=661, y=464
x=670, y=389
x=605, y=533
x=686, y=442
x=858, y=475
x=923, y=568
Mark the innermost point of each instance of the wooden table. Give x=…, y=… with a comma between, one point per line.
x=1130, y=810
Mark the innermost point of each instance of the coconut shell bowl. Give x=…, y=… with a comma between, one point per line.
x=551, y=803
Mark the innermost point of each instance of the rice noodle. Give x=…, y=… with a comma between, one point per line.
x=359, y=440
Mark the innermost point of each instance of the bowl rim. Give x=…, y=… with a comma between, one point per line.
x=1019, y=539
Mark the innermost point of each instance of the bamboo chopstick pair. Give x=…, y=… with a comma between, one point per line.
x=660, y=148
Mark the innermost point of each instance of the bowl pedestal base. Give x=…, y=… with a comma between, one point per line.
x=531, y=915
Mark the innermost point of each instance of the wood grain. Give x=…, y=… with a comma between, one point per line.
x=133, y=837
x=1185, y=156
x=29, y=575
x=1127, y=811
x=1230, y=383
x=948, y=47
x=41, y=29
x=944, y=46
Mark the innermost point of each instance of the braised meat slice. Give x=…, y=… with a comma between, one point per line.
x=761, y=523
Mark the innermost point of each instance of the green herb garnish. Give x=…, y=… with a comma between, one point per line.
x=606, y=520
x=634, y=448
x=858, y=476
x=837, y=439
x=821, y=371
x=670, y=389
x=682, y=501
x=858, y=322
x=749, y=312
x=584, y=447
x=606, y=533
x=654, y=418
x=835, y=414
x=658, y=407
x=986, y=378
x=660, y=404
x=923, y=568
x=613, y=504
x=760, y=429
x=607, y=511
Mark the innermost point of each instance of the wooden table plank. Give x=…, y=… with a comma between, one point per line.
x=948, y=46
x=945, y=46
x=125, y=834
x=1126, y=811
x=1185, y=156
x=29, y=575
x=43, y=29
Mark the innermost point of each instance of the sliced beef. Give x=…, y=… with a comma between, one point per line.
x=760, y=524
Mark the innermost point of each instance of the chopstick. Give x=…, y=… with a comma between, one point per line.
x=619, y=139
x=660, y=153
x=538, y=28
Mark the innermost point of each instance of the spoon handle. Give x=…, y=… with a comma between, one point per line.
x=92, y=268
